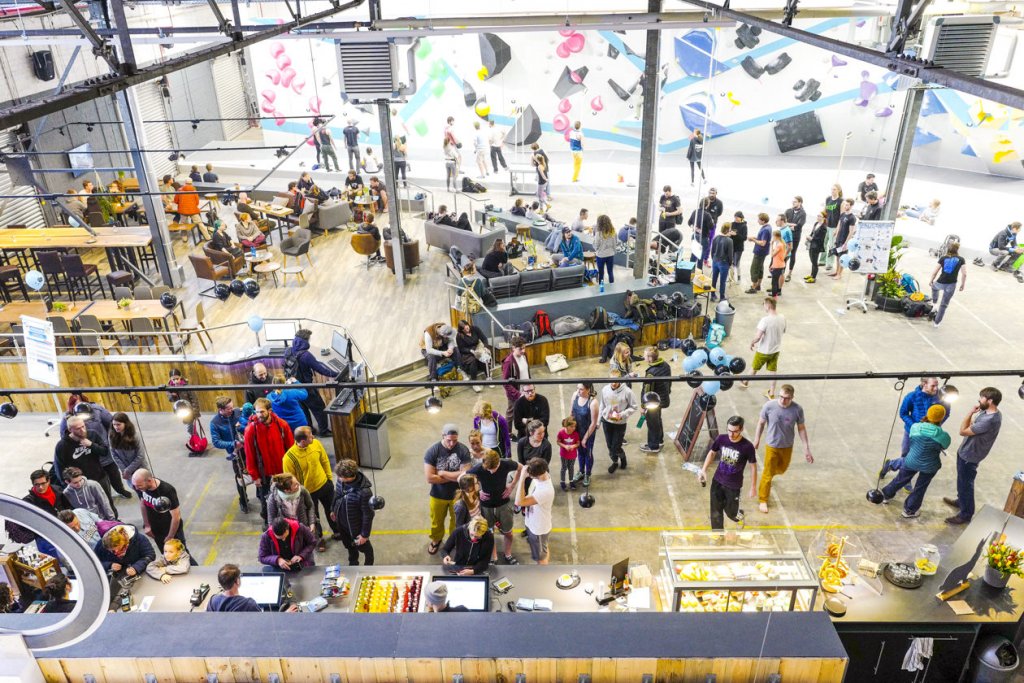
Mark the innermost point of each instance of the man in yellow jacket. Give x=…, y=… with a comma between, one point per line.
x=308, y=462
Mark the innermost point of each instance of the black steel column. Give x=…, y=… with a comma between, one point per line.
x=394, y=215
x=901, y=155
x=648, y=146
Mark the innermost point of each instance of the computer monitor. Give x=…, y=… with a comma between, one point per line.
x=266, y=589
x=472, y=592
x=341, y=345
x=280, y=330
x=619, y=572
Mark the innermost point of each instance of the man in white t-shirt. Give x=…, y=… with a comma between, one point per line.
x=496, y=140
x=536, y=494
x=480, y=149
x=767, y=343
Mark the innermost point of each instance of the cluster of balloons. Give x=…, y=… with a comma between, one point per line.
x=717, y=360
x=248, y=287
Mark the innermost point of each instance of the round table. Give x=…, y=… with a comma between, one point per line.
x=266, y=267
x=292, y=270
x=259, y=258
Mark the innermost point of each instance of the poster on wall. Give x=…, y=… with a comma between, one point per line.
x=41, y=351
x=870, y=246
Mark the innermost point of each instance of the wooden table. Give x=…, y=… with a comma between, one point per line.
x=271, y=210
x=11, y=313
x=68, y=237
x=107, y=309
x=270, y=267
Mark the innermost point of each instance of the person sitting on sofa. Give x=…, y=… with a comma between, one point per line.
x=249, y=233
x=221, y=240
x=571, y=250
x=536, y=213
x=518, y=209
x=495, y=261
x=442, y=217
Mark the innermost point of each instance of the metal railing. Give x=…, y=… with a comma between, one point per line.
x=471, y=211
x=427, y=196
x=495, y=333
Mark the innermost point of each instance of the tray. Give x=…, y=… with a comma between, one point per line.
x=575, y=582
x=913, y=578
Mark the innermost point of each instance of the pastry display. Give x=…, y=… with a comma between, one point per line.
x=380, y=594
x=833, y=567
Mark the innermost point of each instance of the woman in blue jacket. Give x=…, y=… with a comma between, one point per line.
x=123, y=548
x=287, y=403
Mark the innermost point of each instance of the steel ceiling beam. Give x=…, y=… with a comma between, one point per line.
x=110, y=84
x=100, y=47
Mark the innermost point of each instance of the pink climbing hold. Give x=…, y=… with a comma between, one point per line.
x=566, y=32
x=287, y=76
x=314, y=105
x=562, y=50
x=279, y=118
x=597, y=104
x=274, y=75
x=276, y=49
x=561, y=123
x=564, y=106
x=575, y=42
x=284, y=61
x=269, y=94
x=267, y=107
x=298, y=84
x=576, y=78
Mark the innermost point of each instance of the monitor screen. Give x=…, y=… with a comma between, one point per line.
x=341, y=346
x=80, y=159
x=280, y=330
x=469, y=591
x=265, y=589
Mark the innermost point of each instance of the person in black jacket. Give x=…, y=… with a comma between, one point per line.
x=796, y=216
x=739, y=241
x=656, y=368
x=695, y=153
x=303, y=364
x=84, y=449
x=468, y=550
x=703, y=225
x=56, y=594
x=124, y=549
x=468, y=339
x=45, y=496
x=258, y=375
x=352, y=511
x=529, y=406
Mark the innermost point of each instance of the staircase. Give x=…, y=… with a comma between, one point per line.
x=398, y=400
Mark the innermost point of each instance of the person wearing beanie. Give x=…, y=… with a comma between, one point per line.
x=912, y=411
x=927, y=441
x=443, y=463
x=436, y=596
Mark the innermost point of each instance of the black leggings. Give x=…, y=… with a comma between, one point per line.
x=777, y=274
x=116, y=482
x=400, y=169
x=697, y=164
x=323, y=497
x=815, y=251
x=796, y=245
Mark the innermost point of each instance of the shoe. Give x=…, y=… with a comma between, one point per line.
x=714, y=297
x=911, y=515
x=579, y=477
x=934, y=324
x=908, y=488
x=524, y=533
x=952, y=502
x=125, y=495
x=622, y=462
x=763, y=507
x=336, y=537
x=611, y=468
x=740, y=518
x=321, y=546
x=511, y=560
x=243, y=507
x=326, y=432
x=1020, y=277
x=957, y=520
x=753, y=291
x=647, y=449
x=572, y=485
x=564, y=487
x=885, y=468
x=768, y=395
x=745, y=384
x=586, y=481
x=886, y=501
x=809, y=280
x=477, y=388
x=788, y=278
x=625, y=441
x=978, y=262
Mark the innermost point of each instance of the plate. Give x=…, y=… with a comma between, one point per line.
x=540, y=224
x=567, y=582
x=902, y=575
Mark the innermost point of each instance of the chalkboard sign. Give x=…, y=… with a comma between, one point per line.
x=690, y=427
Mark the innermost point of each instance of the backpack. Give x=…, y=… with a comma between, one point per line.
x=715, y=335
x=291, y=365
x=296, y=202
x=598, y=319
x=916, y=309
x=526, y=331
x=908, y=283
x=197, y=443
x=687, y=309
x=471, y=186
x=660, y=305
x=543, y=323
x=568, y=324
x=642, y=311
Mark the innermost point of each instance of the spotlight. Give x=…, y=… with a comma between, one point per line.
x=587, y=500
x=376, y=502
x=183, y=409
x=84, y=409
x=433, y=404
x=875, y=496
x=89, y=127
x=195, y=124
x=173, y=156
x=8, y=410
x=948, y=393
x=652, y=400
x=281, y=153
x=162, y=504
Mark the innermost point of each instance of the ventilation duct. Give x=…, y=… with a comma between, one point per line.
x=962, y=44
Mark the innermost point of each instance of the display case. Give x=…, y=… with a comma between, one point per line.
x=390, y=592
x=736, y=571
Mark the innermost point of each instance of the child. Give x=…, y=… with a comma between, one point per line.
x=175, y=560
x=568, y=443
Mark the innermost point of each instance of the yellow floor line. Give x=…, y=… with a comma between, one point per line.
x=202, y=496
x=211, y=556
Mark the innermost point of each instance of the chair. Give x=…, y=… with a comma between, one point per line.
x=79, y=273
x=365, y=244
x=195, y=324
x=535, y=281
x=296, y=245
x=505, y=286
x=91, y=321
x=62, y=332
x=91, y=344
x=142, y=292
x=52, y=270
x=567, y=277
x=207, y=270
x=235, y=264
x=119, y=278
x=410, y=255
x=122, y=293
x=19, y=255
x=10, y=282
x=145, y=328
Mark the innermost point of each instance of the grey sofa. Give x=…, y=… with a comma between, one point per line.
x=473, y=244
x=334, y=215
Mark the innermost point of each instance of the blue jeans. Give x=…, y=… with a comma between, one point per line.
x=947, y=294
x=916, y=497
x=606, y=263
x=719, y=274
x=966, y=473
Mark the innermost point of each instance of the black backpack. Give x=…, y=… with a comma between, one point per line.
x=660, y=305
x=472, y=187
x=916, y=309
x=542, y=321
x=598, y=319
x=291, y=365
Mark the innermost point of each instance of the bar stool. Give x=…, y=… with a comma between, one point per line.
x=119, y=278
x=10, y=282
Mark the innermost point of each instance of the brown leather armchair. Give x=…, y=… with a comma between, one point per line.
x=235, y=264
x=410, y=255
x=208, y=270
x=365, y=244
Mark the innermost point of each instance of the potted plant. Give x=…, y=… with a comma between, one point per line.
x=59, y=307
x=123, y=304
x=890, y=292
x=1002, y=562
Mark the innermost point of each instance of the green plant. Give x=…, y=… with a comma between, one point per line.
x=107, y=207
x=124, y=303
x=1005, y=559
x=890, y=283
x=59, y=307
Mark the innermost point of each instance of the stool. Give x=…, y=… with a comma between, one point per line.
x=292, y=270
x=590, y=260
x=11, y=280
x=119, y=278
x=523, y=232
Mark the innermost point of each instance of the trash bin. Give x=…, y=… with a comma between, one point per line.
x=724, y=313
x=684, y=271
x=372, y=440
x=994, y=660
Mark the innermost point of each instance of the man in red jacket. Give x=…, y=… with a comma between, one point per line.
x=267, y=439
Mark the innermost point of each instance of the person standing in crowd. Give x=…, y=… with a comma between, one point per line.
x=944, y=278
x=536, y=503
x=82, y=448
x=568, y=447
x=913, y=409
x=467, y=496
x=225, y=436
x=493, y=426
x=622, y=360
x=738, y=233
x=442, y=464
x=530, y=406
x=816, y=245
x=123, y=549
x=287, y=545
x=126, y=446
x=923, y=460
x=45, y=496
x=161, y=511
x=576, y=147
x=761, y=247
x=796, y=217
x=307, y=461
x=695, y=154
x=734, y=453
x=657, y=370
x=844, y=233
x=468, y=551
x=290, y=499
x=721, y=261
x=398, y=155
x=617, y=404
x=229, y=576
x=715, y=208
x=267, y=438
x=451, y=167
x=327, y=148
x=534, y=442
x=480, y=149
x=586, y=413
x=496, y=139
x=98, y=420
x=287, y=403
x=979, y=428
x=867, y=185
x=499, y=479
x=300, y=363
x=777, y=264
x=173, y=561
x=539, y=158
x=351, y=134
x=833, y=208
x=767, y=343
x=514, y=370
x=703, y=225
x=873, y=210
x=605, y=242
x=82, y=493
x=671, y=210
x=779, y=421
x=436, y=597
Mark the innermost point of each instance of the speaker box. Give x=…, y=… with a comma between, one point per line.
x=42, y=65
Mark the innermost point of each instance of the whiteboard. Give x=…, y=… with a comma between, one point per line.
x=872, y=240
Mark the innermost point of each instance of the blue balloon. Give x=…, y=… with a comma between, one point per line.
x=255, y=323
x=690, y=364
x=35, y=280
x=711, y=388
x=853, y=245
x=844, y=260
x=727, y=361
x=717, y=355
x=700, y=356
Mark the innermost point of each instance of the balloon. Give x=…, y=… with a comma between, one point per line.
x=737, y=366
x=597, y=104
x=255, y=323
x=168, y=301
x=267, y=107
x=576, y=78
x=690, y=364
x=689, y=346
x=562, y=51
x=854, y=263
x=561, y=122
x=269, y=94
x=695, y=380
x=844, y=260
x=706, y=402
x=701, y=355
x=287, y=75
x=723, y=372
x=566, y=32
x=236, y=287
x=35, y=280
x=483, y=73
x=853, y=245
x=711, y=388
x=298, y=84
x=276, y=49
x=482, y=108
x=252, y=288
x=283, y=62
x=274, y=75
x=717, y=355
x=564, y=106
x=314, y=105
x=221, y=291
x=575, y=42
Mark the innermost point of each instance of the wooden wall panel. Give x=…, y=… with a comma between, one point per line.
x=52, y=670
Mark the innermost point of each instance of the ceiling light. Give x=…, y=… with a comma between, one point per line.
x=433, y=404
x=8, y=410
x=183, y=409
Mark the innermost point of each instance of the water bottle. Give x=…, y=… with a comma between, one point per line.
x=252, y=251
x=600, y=287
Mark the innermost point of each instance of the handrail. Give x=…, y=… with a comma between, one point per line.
x=494, y=320
x=470, y=212
x=426, y=193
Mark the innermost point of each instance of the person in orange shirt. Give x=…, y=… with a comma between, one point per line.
x=187, y=200
x=778, y=262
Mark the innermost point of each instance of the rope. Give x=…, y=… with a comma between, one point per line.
x=900, y=385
